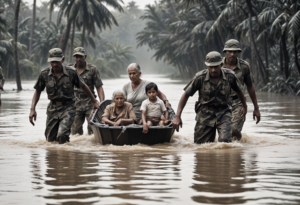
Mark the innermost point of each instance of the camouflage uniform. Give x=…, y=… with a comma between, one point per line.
x=1, y=79
x=243, y=73
x=61, y=109
x=84, y=105
x=213, y=112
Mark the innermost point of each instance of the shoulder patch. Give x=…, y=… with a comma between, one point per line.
x=243, y=62
x=226, y=70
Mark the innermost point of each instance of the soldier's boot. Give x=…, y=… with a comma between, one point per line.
x=62, y=140
x=236, y=135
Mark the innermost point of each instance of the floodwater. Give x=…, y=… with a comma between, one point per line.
x=263, y=168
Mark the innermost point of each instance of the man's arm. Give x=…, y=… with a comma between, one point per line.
x=163, y=98
x=252, y=94
x=105, y=120
x=87, y=91
x=145, y=126
x=35, y=99
x=177, y=120
x=100, y=92
x=241, y=96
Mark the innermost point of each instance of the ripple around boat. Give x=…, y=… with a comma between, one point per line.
x=131, y=134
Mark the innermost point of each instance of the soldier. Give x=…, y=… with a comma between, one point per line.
x=242, y=71
x=213, y=85
x=83, y=103
x=2, y=79
x=59, y=81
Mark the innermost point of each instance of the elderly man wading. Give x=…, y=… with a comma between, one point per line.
x=59, y=81
x=83, y=103
x=242, y=71
x=213, y=113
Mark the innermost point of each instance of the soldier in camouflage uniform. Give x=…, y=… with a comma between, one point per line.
x=2, y=79
x=91, y=77
x=213, y=113
x=59, y=81
x=242, y=71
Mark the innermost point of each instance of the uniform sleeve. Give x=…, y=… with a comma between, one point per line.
x=235, y=83
x=78, y=81
x=193, y=86
x=97, y=80
x=248, y=79
x=131, y=113
x=40, y=83
x=144, y=105
x=1, y=74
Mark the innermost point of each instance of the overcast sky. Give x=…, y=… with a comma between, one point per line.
x=141, y=3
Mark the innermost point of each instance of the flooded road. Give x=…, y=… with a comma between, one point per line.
x=263, y=168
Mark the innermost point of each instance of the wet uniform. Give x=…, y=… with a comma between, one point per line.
x=61, y=109
x=213, y=112
x=84, y=105
x=243, y=73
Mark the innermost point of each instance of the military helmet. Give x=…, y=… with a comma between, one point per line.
x=55, y=54
x=79, y=51
x=232, y=45
x=213, y=58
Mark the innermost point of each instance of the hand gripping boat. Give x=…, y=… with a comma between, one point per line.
x=130, y=134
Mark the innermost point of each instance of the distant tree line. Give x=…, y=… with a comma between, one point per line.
x=182, y=32
x=37, y=29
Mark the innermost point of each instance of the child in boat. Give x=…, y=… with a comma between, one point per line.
x=153, y=108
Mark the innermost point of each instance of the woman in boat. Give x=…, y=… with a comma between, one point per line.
x=135, y=90
x=119, y=112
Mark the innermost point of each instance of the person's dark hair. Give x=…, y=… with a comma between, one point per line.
x=151, y=85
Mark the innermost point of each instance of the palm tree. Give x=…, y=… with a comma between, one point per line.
x=88, y=14
x=18, y=78
x=32, y=27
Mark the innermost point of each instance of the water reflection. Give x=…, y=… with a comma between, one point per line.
x=220, y=177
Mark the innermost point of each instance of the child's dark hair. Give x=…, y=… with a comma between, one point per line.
x=151, y=85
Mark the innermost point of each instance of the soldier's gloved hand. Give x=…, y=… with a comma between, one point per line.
x=243, y=112
x=256, y=114
x=96, y=105
x=32, y=116
x=176, y=123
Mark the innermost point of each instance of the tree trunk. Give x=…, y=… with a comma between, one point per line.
x=296, y=53
x=18, y=78
x=32, y=28
x=266, y=56
x=256, y=51
x=50, y=16
x=281, y=58
x=65, y=37
x=72, y=42
x=285, y=55
x=83, y=35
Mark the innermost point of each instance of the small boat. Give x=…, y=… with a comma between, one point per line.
x=130, y=134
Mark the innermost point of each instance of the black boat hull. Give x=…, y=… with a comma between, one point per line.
x=132, y=136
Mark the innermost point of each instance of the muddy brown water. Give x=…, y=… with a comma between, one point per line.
x=263, y=168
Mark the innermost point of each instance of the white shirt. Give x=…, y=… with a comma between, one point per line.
x=153, y=109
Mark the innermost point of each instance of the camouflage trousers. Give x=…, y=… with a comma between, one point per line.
x=237, y=121
x=79, y=120
x=58, y=124
x=204, y=133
